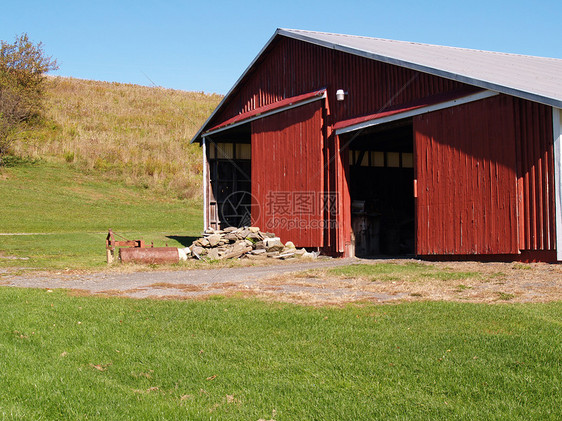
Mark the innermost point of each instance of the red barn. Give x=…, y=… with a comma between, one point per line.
x=365, y=146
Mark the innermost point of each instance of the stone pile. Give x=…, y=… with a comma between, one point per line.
x=246, y=242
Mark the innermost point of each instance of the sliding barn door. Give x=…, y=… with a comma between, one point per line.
x=288, y=174
x=466, y=179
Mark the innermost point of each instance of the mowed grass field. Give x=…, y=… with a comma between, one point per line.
x=69, y=212
x=73, y=357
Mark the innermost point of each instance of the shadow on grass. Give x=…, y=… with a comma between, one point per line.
x=183, y=240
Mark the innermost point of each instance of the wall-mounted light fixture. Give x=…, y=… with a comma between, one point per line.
x=340, y=94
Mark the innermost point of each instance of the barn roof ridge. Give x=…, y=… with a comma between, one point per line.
x=304, y=31
x=534, y=78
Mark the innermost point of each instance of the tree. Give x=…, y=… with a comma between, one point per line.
x=23, y=66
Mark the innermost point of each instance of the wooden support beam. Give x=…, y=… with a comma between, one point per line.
x=557, y=132
x=205, y=186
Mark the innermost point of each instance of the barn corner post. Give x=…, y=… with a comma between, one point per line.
x=345, y=242
x=557, y=136
x=205, y=185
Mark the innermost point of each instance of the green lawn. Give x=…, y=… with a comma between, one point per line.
x=411, y=271
x=72, y=212
x=69, y=357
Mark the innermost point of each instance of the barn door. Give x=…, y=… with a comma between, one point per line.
x=288, y=174
x=466, y=180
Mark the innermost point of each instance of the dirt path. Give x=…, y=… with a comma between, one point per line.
x=158, y=284
x=311, y=283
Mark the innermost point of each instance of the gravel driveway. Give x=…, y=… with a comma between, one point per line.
x=310, y=283
x=158, y=284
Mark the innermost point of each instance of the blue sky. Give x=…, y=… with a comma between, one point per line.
x=205, y=46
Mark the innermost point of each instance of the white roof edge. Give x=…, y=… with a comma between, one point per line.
x=266, y=114
x=418, y=111
x=426, y=69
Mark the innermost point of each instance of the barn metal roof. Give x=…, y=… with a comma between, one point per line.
x=537, y=79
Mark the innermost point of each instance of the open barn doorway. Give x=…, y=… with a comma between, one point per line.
x=381, y=170
x=229, y=169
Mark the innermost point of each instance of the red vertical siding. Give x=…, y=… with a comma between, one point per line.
x=288, y=175
x=535, y=175
x=292, y=67
x=467, y=186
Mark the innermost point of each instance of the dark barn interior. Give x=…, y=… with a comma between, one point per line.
x=381, y=169
x=230, y=170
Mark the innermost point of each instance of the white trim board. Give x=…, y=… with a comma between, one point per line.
x=205, y=187
x=406, y=114
x=266, y=114
x=557, y=135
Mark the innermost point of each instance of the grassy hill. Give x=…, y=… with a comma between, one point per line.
x=137, y=134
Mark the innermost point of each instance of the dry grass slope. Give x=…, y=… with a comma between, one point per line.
x=135, y=133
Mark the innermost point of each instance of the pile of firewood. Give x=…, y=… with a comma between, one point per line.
x=246, y=242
